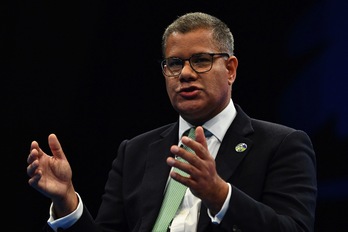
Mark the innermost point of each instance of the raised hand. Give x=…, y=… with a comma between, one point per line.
x=203, y=180
x=51, y=175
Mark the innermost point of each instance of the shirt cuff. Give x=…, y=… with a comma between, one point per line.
x=66, y=221
x=220, y=215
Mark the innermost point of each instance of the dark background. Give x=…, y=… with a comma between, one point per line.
x=88, y=71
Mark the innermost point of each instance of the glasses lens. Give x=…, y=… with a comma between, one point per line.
x=172, y=66
x=201, y=62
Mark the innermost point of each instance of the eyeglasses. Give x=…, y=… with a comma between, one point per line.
x=200, y=63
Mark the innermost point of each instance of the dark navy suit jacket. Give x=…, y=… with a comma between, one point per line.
x=273, y=181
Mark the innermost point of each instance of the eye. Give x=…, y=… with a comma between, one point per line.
x=174, y=63
x=201, y=60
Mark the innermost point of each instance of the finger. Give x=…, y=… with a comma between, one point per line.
x=200, y=137
x=55, y=147
x=200, y=149
x=199, y=144
x=32, y=156
x=35, y=150
x=32, y=167
x=183, y=179
x=33, y=181
x=185, y=166
x=180, y=152
x=34, y=145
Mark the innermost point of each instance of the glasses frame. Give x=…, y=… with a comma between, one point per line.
x=163, y=62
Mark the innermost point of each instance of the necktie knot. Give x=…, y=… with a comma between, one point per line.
x=191, y=133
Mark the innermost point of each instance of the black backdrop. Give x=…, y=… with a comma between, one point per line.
x=87, y=69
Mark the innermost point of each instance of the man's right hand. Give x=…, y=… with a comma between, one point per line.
x=52, y=176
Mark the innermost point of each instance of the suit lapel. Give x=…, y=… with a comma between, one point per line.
x=229, y=155
x=156, y=175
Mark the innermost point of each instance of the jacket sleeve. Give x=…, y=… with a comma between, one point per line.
x=85, y=223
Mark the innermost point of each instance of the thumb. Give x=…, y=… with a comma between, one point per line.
x=55, y=147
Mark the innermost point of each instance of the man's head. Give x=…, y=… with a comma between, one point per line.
x=199, y=66
x=221, y=33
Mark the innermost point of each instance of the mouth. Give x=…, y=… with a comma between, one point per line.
x=189, y=92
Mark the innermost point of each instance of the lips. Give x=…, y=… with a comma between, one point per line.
x=188, y=89
x=189, y=92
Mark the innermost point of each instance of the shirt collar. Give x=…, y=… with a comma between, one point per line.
x=218, y=125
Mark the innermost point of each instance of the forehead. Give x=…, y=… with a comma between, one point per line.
x=186, y=44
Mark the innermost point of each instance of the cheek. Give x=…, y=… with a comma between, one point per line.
x=218, y=81
x=170, y=86
x=219, y=86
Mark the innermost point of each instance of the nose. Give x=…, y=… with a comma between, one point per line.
x=187, y=72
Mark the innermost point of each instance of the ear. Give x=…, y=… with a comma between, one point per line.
x=232, y=64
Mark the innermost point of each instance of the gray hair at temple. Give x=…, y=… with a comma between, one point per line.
x=222, y=35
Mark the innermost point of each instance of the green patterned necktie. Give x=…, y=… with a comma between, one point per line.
x=173, y=196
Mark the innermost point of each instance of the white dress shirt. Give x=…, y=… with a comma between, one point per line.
x=186, y=219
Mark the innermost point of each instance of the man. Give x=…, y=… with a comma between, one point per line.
x=248, y=175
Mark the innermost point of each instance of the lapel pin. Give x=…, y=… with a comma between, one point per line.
x=241, y=147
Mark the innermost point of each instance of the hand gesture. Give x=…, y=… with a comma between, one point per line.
x=51, y=175
x=203, y=180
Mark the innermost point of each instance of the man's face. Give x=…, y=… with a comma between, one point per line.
x=197, y=97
